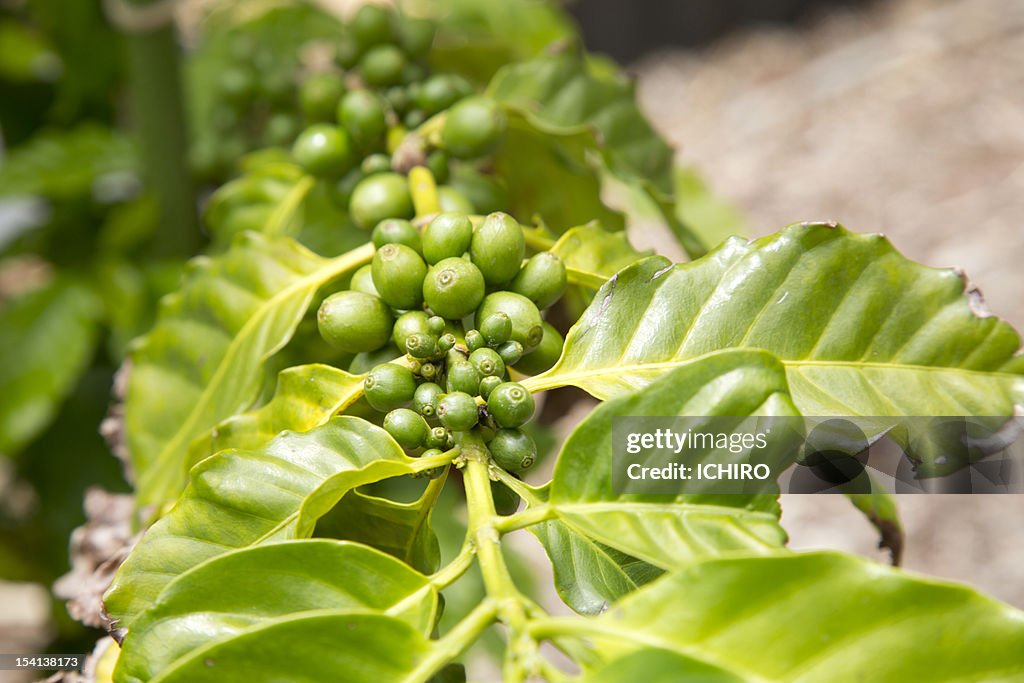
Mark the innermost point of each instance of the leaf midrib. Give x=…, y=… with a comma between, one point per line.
x=329, y=269
x=552, y=379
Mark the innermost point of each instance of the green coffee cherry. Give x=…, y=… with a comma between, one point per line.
x=424, y=400
x=406, y=427
x=276, y=86
x=323, y=150
x=428, y=371
x=488, y=362
x=422, y=346
x=280, y=130
x=371, y=25
x=237, y=84
x=437, y=162
x=354, y=321
x=486, y=193
x=446, y=342
x=513, y=450
x=488, y=384
x=368, y=360
x=416, y=35
x=497, y=248
x=362, y=115
x=473, y=128
x=506, y=501
x=414, y=119
x=319, y=96
x=436, y=325
x=398, y=97
x=396, y=231
x=384, y=195
x=546, y=354
x=453, y=288
x=447, y=236
x=412, y=74
x=438, y=438
x=542, y=280
x=408, y=324
x=438, y=93
x=362, y=281
x=375, y=163
x=527, y=325
x=347, y=51
x=389, y=386
x=463, y=377
x=510, y=404
x=453, y=201
x=398, y=274
x=382, y=65
x=496, y=329
x=475, y=340
x=457, y=411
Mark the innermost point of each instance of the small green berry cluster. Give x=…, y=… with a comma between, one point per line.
x=438, y=320
x=343, y=118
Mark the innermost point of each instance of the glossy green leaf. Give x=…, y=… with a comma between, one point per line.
x=709, y=215
x=820, y=617
x=306, y=397
x=590, y=576
x=65, y=164
x=655, y=665
x=333, y=646
x=592, y=254
x=47, y=338
x=877, y=335
x=203, y=360
x=664, y=531
x=566, y=92
x=563, y=92
x=402, y=530
x=241, y=498
x=476, y=38
x=881, y=509
x=533, y=161
x=245, y=588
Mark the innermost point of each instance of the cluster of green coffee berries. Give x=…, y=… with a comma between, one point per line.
x=439, y=320
x=359, y=113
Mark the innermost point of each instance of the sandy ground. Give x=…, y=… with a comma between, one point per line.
x=906, y=119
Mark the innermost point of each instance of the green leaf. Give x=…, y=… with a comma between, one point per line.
x=589, y=576
x=476, y=39
x=710, y=216
x=533, y=161
x=239, y=590
x=306, y=397
x=881, y=509
x=655, y=665
x=333, y=646
x=47, y=339
x=857, y=621
x=592, y=254
x=401, y=530
x=65, y=164
x=203, y=360
x=564, y=93
x=664, y=531
x=241, y=498
x=879, y=335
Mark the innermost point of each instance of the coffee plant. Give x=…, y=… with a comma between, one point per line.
x=343, y=410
